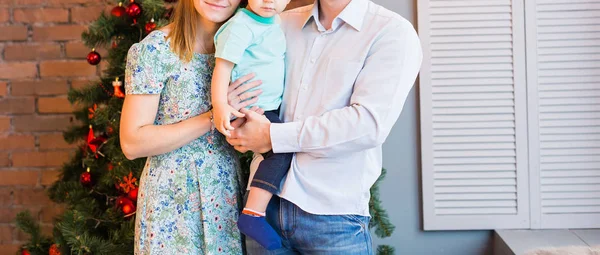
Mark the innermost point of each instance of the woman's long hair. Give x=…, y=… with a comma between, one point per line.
x=183, y=30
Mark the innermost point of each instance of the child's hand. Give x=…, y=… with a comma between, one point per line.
x=222, y=118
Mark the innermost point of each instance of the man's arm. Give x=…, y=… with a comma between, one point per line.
x=379, y=94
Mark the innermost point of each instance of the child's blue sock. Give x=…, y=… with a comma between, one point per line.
x=257, y=228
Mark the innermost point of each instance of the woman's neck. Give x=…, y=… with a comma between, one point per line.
x=205, y=33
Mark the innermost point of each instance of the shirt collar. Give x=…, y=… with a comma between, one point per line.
x=353, y=15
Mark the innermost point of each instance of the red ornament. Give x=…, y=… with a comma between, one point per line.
x=150, y=26
x=91, y=111
x=118, y=11
x=128, y=183
x=110, y=130
x=110, y=167
x=94, y=142
x=86, y=178
x=54, y=250
x=114, y=44
x=25, y=252
x=133, y=10
x=121, y=201
x=93, y=57
x=128, y=209
x=133, y=194
x=117, y=87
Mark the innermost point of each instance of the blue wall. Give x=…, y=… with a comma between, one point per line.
x=401, y=189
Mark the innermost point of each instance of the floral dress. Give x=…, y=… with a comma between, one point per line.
x=189, y=198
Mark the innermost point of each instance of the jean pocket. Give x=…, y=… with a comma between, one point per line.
x=358, y=220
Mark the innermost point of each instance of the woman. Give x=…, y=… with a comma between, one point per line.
x=189, y=189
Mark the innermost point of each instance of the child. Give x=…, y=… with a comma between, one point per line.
x=252, y=41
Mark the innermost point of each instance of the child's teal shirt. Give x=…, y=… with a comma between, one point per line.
x=255, y=44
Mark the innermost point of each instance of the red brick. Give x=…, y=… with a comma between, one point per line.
x=40, y=87
x=32, y=51
x=53, y=141
x=12, y=105
x=4, y=15
x=37, y=197
x=13, y=33
x=6, y=197
x=3, y=88
x=4, y=124
x=29, y=3
x=41, y=15
x=17, y=70
x=4, y=159
x=10, y=249
x=66, y=68
x=54, y=105
x=67, y=2
x=49, y=177
x=86, y=14
x=31, y=123
x=58, y=33
x=14, y=142
x=6, y=2
x=6, y=232
x=21, y=177
x=39, y=159
x=48, y=213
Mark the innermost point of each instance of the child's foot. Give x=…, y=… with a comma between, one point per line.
x=257, y=228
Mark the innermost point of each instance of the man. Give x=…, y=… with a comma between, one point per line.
x=350, y=65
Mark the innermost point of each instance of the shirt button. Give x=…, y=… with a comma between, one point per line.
x=312, y=60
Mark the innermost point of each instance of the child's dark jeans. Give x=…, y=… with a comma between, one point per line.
x=271, y=170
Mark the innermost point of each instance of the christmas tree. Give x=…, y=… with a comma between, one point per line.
x=98, y=186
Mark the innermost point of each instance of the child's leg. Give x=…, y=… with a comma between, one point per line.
x=264, y=184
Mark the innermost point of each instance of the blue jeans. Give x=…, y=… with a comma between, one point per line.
x=273, y=168
x=305, y=233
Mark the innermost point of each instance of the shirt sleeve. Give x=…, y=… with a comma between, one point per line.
x=232, y=40
x=142, y=73
x=379, y=94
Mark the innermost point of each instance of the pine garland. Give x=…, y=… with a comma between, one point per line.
x=92, y=222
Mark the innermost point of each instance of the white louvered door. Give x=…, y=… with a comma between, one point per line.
x=563, y=77
x=473, y=114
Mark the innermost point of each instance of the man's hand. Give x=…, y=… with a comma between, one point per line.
x=254, y=135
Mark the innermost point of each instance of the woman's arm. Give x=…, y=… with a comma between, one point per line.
x=141, y=138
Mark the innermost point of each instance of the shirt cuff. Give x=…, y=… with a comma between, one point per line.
x=284, y=137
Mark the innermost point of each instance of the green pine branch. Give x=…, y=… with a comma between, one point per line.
x=379, y=217
x=385, y=250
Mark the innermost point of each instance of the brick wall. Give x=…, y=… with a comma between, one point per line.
x=41, y=57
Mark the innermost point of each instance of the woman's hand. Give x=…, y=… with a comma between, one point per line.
x=238, y=96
